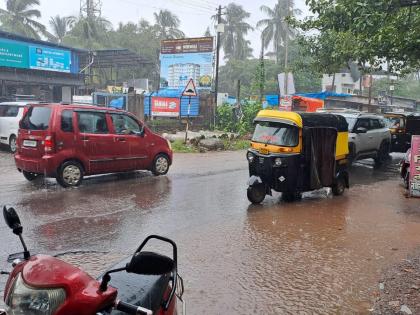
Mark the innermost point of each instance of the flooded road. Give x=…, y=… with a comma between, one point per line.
x=321, y=255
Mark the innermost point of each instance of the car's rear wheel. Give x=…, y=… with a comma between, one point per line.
x=256, y=193
x=12, y=144
x=70, y=174
x=160, y=165
x=30, y=176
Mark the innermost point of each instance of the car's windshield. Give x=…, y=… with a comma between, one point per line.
x=351, y=121
x=276, y=133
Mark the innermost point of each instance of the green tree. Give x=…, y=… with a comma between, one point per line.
x=60, y=27
x=167, y=25
x=207, y=33
x=20, y=17
x=276, y=28
x=233, y=39
x=381, y=31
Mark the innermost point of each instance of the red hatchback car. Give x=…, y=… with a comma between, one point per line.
x=70, y=141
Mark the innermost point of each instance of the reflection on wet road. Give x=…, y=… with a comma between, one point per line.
x=321, y=255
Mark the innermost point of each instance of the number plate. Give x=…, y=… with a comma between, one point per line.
x=29, y=143
x=263, y=151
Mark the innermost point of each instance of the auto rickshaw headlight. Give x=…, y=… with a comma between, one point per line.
x=277, y=161
x=250, y=157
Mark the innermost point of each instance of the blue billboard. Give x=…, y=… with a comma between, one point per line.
x=24, y=55
x=50, y=59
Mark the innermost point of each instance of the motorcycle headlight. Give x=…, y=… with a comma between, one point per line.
x=25, y=300
x=277, y=161
x=250, y=157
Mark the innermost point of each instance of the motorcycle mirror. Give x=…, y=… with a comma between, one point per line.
x=150, y=263
x=12, y=220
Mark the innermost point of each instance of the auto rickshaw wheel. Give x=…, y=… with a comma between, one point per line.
x=256, y=193
x=339, y=186
x=291, y=196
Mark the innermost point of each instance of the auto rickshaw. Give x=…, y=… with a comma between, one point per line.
x=296, y=152
x=402, y=126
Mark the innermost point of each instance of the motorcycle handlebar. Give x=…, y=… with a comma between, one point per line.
x=132, y=309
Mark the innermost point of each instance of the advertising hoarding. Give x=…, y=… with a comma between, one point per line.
x=17, y=54
x=50, y=59
x=165, y=106
x=415, y=167
x=185, y=59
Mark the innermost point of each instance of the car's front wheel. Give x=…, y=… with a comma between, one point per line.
x=160, y=165
x=383, y=154
x=12, y=144
x=70, y=174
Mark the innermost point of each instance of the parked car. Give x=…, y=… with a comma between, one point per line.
x=369, y=136
x=68, y=142
x=10, y=115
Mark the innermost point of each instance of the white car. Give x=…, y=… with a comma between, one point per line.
x=10, y=115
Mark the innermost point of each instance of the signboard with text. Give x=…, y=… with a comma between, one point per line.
x=165, y=106
x=184, y=59
x=51, y=59
x=415, y=167
x=19, y=54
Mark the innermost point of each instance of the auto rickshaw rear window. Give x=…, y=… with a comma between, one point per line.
x=276, y=133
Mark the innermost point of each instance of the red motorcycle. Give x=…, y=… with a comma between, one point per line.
x=147, y=283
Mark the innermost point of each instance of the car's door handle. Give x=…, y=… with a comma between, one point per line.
x=120, y=139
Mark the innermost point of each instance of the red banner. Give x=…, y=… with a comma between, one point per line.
x=165, y=106
x=415, y=167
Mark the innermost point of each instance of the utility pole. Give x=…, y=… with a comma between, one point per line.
x=216, y=79
x=286, y=53
x=90, y=8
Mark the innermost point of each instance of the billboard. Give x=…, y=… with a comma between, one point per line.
x=17, y=54
x=185, y=59
x=165, y=106
x=415, y=167
x=51, y=59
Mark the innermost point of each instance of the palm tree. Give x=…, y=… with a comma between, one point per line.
x=20, y=18
x=276, y=28
x=60, y=27
x=234, y=43
x=167, y=25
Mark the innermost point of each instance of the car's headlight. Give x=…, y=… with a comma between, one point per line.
x=25, y=300
x=250, y=157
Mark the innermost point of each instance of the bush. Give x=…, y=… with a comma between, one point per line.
x=228, y=120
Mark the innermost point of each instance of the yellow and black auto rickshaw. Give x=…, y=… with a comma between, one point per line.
x=296, y=152
x=402, y=126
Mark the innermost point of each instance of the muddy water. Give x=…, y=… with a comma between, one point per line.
x=322, y=255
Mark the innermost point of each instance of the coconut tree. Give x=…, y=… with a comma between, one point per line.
x=276, y=29
x=233, y=39
x=20, y=17
x=60, y=26
x=167, y=25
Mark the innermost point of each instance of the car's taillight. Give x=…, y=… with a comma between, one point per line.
x=49, y=146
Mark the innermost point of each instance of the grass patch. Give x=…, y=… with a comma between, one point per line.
x=236, y=144
x=178, y=146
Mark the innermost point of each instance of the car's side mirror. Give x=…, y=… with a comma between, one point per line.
x=12, y=220
x=150, y=263
x=361, y=130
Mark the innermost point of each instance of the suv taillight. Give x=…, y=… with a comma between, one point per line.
x=49, y=145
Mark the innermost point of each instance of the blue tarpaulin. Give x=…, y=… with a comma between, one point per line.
x=323, y=95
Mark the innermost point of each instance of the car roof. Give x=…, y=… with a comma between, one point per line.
x=82, y=106
x=357, y=115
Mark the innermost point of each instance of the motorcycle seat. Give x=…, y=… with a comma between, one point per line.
x=142, y=290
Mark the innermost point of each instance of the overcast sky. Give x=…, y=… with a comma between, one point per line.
x=194, y=14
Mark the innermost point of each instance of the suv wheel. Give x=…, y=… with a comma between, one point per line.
x=29, y=175
x=70, y=174
x=160, y=165
x=383, y=154
x=12, y=144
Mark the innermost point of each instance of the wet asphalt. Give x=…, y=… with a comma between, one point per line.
x=321, y=255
